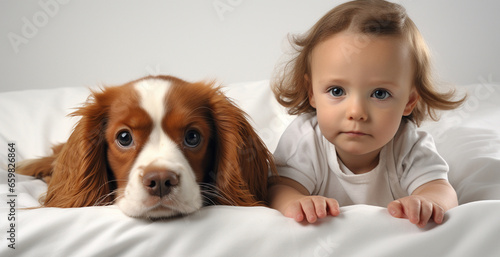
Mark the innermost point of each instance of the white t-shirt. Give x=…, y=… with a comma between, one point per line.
x=408, y=161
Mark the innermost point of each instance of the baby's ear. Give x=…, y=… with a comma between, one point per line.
x=310, y=93
x=412, y=102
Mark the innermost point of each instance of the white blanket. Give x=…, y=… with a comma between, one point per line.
x=468, y=138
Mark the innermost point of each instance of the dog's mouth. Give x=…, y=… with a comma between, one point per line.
x=162, y=212
x=155, y=208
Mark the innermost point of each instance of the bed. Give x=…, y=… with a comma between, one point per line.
x=468, y=138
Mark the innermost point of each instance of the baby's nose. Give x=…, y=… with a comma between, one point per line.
x=357, y=110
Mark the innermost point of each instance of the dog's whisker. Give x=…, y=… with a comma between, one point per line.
x=102, y=201
x=212, y=191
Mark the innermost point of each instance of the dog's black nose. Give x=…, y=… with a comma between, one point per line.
x=160, y=183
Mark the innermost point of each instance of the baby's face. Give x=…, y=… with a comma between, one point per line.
x=361, y=87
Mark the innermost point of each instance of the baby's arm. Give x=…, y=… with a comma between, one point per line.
x=430, y=200
x=293, y=200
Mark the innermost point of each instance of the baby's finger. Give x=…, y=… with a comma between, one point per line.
x=412, y=209
x=438, y=214
x=295, y=212
x=333, y=206
x=395, y=208
x=320, y=206
x=426, y=210
x=309, y=210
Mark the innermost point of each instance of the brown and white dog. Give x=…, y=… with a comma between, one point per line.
x=157, y=147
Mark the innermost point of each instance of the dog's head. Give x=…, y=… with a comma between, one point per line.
x=159, y=147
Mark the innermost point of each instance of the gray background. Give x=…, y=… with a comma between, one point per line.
x=64, y=43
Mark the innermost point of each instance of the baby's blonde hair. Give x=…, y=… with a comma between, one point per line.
x=370, y=17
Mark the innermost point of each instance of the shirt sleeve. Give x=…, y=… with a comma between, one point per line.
x=418, y=157
x=296, y=155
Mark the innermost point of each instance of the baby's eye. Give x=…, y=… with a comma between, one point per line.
x=381, y=94
x=336, y=91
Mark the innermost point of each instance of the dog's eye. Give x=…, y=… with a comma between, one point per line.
x=192, y=138
x=124, y=139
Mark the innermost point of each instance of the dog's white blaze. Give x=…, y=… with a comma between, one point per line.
x=159, y=151
x=152, y=93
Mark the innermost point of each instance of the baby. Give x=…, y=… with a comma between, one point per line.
x=360, y=85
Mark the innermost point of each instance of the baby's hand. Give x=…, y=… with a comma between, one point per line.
x=312, y=208
x=418, y=209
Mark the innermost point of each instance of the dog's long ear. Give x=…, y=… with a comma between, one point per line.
x=243, y=161
x=80, y=174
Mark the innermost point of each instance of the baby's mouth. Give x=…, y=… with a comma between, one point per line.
x=354, y=133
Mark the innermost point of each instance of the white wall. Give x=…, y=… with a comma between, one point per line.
x=56, y=43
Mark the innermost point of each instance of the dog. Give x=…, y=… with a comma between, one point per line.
x=157, y=147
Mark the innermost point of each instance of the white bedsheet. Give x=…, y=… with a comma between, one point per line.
x=468, y=138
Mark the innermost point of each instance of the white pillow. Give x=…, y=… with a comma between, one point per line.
x=36, y=119
x=468, y=138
